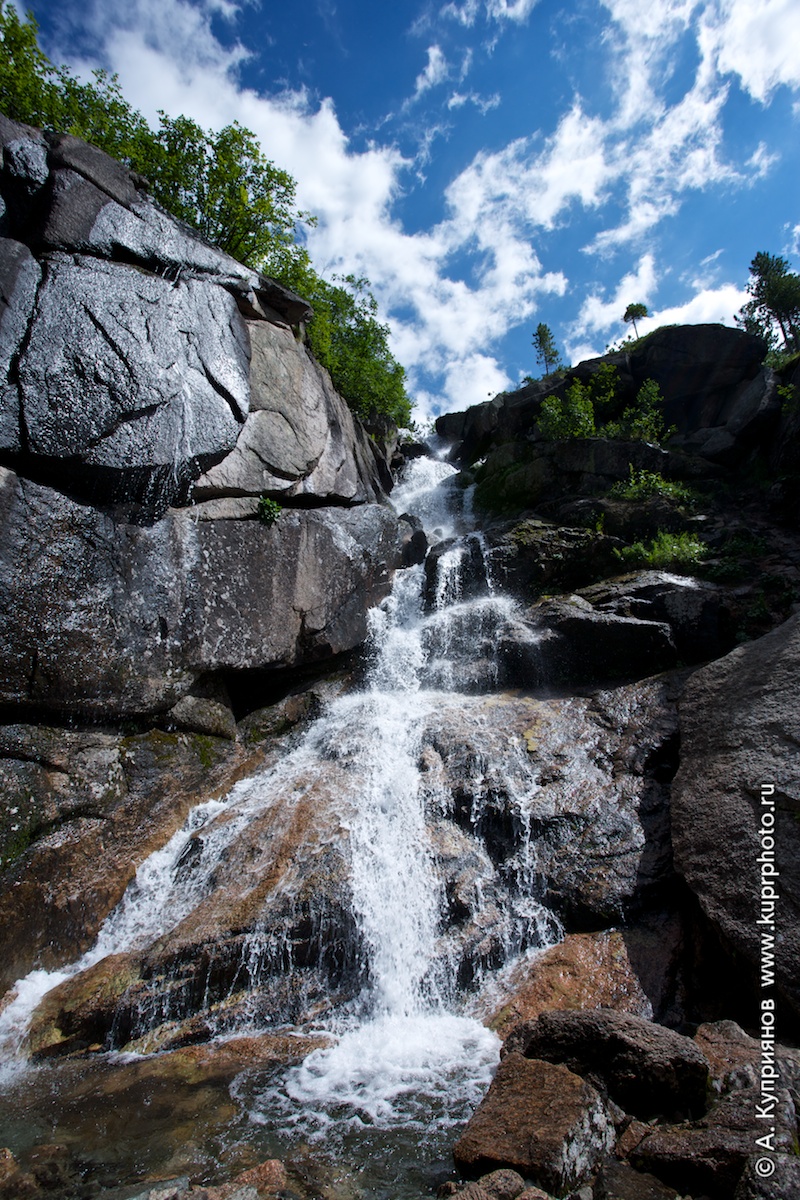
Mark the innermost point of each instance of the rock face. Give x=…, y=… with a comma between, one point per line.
x=540, y=1120
x=300, y=438
x=718, y=396
x=134, y=357
x=737, y=787
x=105, y=618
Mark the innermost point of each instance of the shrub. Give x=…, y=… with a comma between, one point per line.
x=268, y=510
x=665, y=550
x=568, y=416
x=643, y=421
x=643, y=485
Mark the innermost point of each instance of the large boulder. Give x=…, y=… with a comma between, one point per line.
x=645, y=1068
x=735, y=806
x=108, y=619
x=538, y=1119
x=711, y=379
x=130, y=372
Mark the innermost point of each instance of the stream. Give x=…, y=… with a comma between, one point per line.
x=418, y=913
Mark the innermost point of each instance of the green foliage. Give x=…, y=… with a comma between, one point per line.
x=643, y=421
x=634, y=313
x=568, y=416
x=604, y=391
x=643, y=485
x=222, y=185
x=774, y=307
x=585, y=409
x=545, y=347
x=675, y=550
x=268, y=510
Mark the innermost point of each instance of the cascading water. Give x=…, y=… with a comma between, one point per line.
x=404, y=1052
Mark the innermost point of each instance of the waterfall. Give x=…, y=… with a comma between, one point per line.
x=404, y=1052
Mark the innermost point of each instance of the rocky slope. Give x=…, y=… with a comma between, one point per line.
x=598, y=761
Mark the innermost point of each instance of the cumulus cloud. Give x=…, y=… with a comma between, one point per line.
x=756, y=40
x=711, y=306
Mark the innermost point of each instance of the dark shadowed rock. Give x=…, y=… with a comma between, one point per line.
x=709, y=375
x=588, y=644
x=619, y=1181
x=699, y=614
x=645, y=1068
x=109, y=618
x=709, y=1156
x=538, y=1119
x=740, y=728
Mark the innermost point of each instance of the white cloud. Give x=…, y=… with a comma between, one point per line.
x=495, y=10
x=484, y=104
x=756, y=40
x=529, y=187
x=711, y=306
x=436, y=71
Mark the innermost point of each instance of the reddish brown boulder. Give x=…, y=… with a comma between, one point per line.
x=541, y=1120
x=586, y=970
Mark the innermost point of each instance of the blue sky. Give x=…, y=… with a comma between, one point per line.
x=489, y=164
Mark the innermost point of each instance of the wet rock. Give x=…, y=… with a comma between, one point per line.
x=300, y=438
x=585, y=779
x=574, y=642
x=739, y=731
x=645, y=1068
x=20, y=275
x=168, y=388
x=83, y=808
x=700, y=615
x=585, y=971
x=110, y=619
x=540, y=1120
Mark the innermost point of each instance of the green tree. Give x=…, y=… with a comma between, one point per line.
x=545, y=346
x=774, y=304
x=634, y=313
